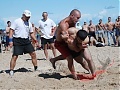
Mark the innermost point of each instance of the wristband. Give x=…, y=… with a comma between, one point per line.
x=10, y=39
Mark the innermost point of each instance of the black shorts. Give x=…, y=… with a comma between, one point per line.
x=92, y=33
x=45, y=41
x=75, y=54
x=21, y=46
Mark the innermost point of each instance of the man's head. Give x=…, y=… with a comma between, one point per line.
x=9, y=23
x=45, y=15
x=33, y=25
x=100, y=21
x=118, y=18
x=26, y=15
x=109, y=19
x=75, y=15
x=85, y=23
x=82, y=37
x=90, y=21
x=72, y=32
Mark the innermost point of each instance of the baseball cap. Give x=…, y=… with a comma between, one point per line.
x=27, y=13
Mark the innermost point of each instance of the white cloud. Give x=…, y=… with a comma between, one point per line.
x=85, y=17
x=9, y=19
x=103, y=12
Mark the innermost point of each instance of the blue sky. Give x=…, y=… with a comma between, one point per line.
x=59, y=9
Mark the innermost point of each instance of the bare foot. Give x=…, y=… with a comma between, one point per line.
x=53, y=63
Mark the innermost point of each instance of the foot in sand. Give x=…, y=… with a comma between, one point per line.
x=53, y=62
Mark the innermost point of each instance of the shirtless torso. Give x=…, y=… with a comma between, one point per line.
x=101, y=26
x=85, y=27
x=7, y=31
x=117, y=24
x=109, y=24
x=91, y=27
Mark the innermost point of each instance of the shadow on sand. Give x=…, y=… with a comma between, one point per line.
x=18, y=70
x=37, y=59
x=55, y=75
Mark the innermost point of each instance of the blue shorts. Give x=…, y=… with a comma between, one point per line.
x=7, y=41
x=117, y=33
x=101, y=33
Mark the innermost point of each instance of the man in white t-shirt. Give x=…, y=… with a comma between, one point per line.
x=20, y=30
x=47, y=27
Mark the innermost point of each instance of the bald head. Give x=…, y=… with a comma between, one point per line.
x=75, y=11
x=72, y=30
x=75, y=15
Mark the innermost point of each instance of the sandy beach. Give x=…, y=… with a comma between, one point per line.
x=25, y=78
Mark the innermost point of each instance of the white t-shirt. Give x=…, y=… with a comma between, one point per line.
x=45, y=27
x=20, y=29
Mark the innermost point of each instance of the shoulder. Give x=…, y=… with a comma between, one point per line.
x=30, y=23
x=40, y=20
x=17, y=20
x=50, y=20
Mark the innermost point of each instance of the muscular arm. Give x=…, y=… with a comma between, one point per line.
x=64, y=32
x=103, y=27
x=38, y=31
x=10, y=37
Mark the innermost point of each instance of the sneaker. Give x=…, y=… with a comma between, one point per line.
x=37, y=69
x=11, y=73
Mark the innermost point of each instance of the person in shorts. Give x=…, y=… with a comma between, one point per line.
x=20, y=30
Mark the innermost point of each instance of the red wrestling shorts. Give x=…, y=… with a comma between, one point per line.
x=62, y=48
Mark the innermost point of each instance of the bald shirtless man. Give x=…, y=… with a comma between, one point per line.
x=60, y=44
x=110, y=27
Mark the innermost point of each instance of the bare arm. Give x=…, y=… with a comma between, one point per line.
x=64, y=32
x=38, y=31
x=33, y=36
x=11, y=37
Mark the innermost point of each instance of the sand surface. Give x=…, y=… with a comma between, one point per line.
x=25, y=78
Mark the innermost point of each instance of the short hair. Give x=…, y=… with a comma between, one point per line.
x=44, y=12
x=82, y=34
x=8, y=22
x=74, y=11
